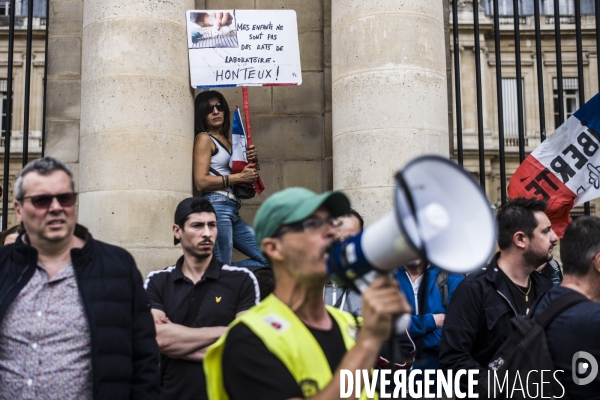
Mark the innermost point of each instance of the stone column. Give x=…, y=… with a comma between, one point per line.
x=389, y=94
x=136, y=125
x=63, y=89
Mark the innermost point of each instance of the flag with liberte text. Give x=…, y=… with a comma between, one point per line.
x=239, y=146
x=565, y=169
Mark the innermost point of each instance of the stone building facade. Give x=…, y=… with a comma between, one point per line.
x=291, y=125
x=120, y=108
x=529, y=80
x=376, y=83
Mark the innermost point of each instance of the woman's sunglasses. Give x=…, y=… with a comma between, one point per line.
x=43, y=201
x=218, y=106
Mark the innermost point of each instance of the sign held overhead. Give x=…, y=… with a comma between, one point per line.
x=229, y=48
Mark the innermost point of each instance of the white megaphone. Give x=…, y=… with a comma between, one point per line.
x=440, y=214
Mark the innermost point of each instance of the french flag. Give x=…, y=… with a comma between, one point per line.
x=565, y=169
x=239, y=146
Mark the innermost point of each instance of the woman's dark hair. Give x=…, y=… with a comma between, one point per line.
x=202, y=108
x=15, y=229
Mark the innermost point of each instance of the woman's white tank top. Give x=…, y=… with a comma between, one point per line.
x=219, y=160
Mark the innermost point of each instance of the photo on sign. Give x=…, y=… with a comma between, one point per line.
x=212, y=30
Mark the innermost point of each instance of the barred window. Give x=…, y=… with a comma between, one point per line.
x=4, y=8
x=3, y=104
x=526, y=7
x=510, y=106
x=570, y=98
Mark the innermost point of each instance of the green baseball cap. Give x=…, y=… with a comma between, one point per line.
x=294, y=205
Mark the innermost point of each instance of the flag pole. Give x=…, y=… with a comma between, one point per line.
x=247, y=115
x=247, y=118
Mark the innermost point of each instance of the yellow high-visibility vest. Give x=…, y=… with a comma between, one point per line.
x=286, y=336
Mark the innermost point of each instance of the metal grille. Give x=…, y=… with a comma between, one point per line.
x=20, y=15
x=506, y=56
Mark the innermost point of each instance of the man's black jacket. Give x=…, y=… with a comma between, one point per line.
x=123, y=338
x=478, y=318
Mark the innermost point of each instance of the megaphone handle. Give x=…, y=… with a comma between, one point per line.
x=365, y=281
x=399, y=326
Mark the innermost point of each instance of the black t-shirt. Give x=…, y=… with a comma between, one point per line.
x=574, y=330
x=520, y=301
x=251, y=371
x=232, y=290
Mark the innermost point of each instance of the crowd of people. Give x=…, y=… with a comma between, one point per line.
x=77, y=321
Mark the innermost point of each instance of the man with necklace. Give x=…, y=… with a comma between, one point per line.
x=478, y=318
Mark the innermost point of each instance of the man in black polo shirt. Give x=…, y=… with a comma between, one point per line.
x=230, y=292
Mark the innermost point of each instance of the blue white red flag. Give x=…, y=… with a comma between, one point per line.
x=565, y=169
x=239, y=146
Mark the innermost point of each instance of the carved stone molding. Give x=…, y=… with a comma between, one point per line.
x=466, y=4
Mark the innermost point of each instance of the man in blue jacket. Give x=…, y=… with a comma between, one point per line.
x=426, y=323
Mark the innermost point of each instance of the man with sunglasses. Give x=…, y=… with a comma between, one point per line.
x=291, y=345
x=74, y=317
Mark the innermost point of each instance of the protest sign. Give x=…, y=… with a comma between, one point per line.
x=229, y=48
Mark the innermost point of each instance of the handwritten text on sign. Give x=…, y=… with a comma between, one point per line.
x=243, y=48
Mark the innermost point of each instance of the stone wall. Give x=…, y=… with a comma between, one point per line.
x=291, y=125
x=63, y=92
x=389, y=94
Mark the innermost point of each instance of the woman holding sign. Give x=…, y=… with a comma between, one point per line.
x=212, y=176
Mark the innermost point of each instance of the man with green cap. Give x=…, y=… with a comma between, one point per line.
x=292, y=345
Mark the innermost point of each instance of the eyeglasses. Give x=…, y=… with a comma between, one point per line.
x=43, y=201
x=218, y=106
x=309, y=225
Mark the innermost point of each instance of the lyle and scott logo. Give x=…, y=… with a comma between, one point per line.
x=580, y=368
x=217, y=299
